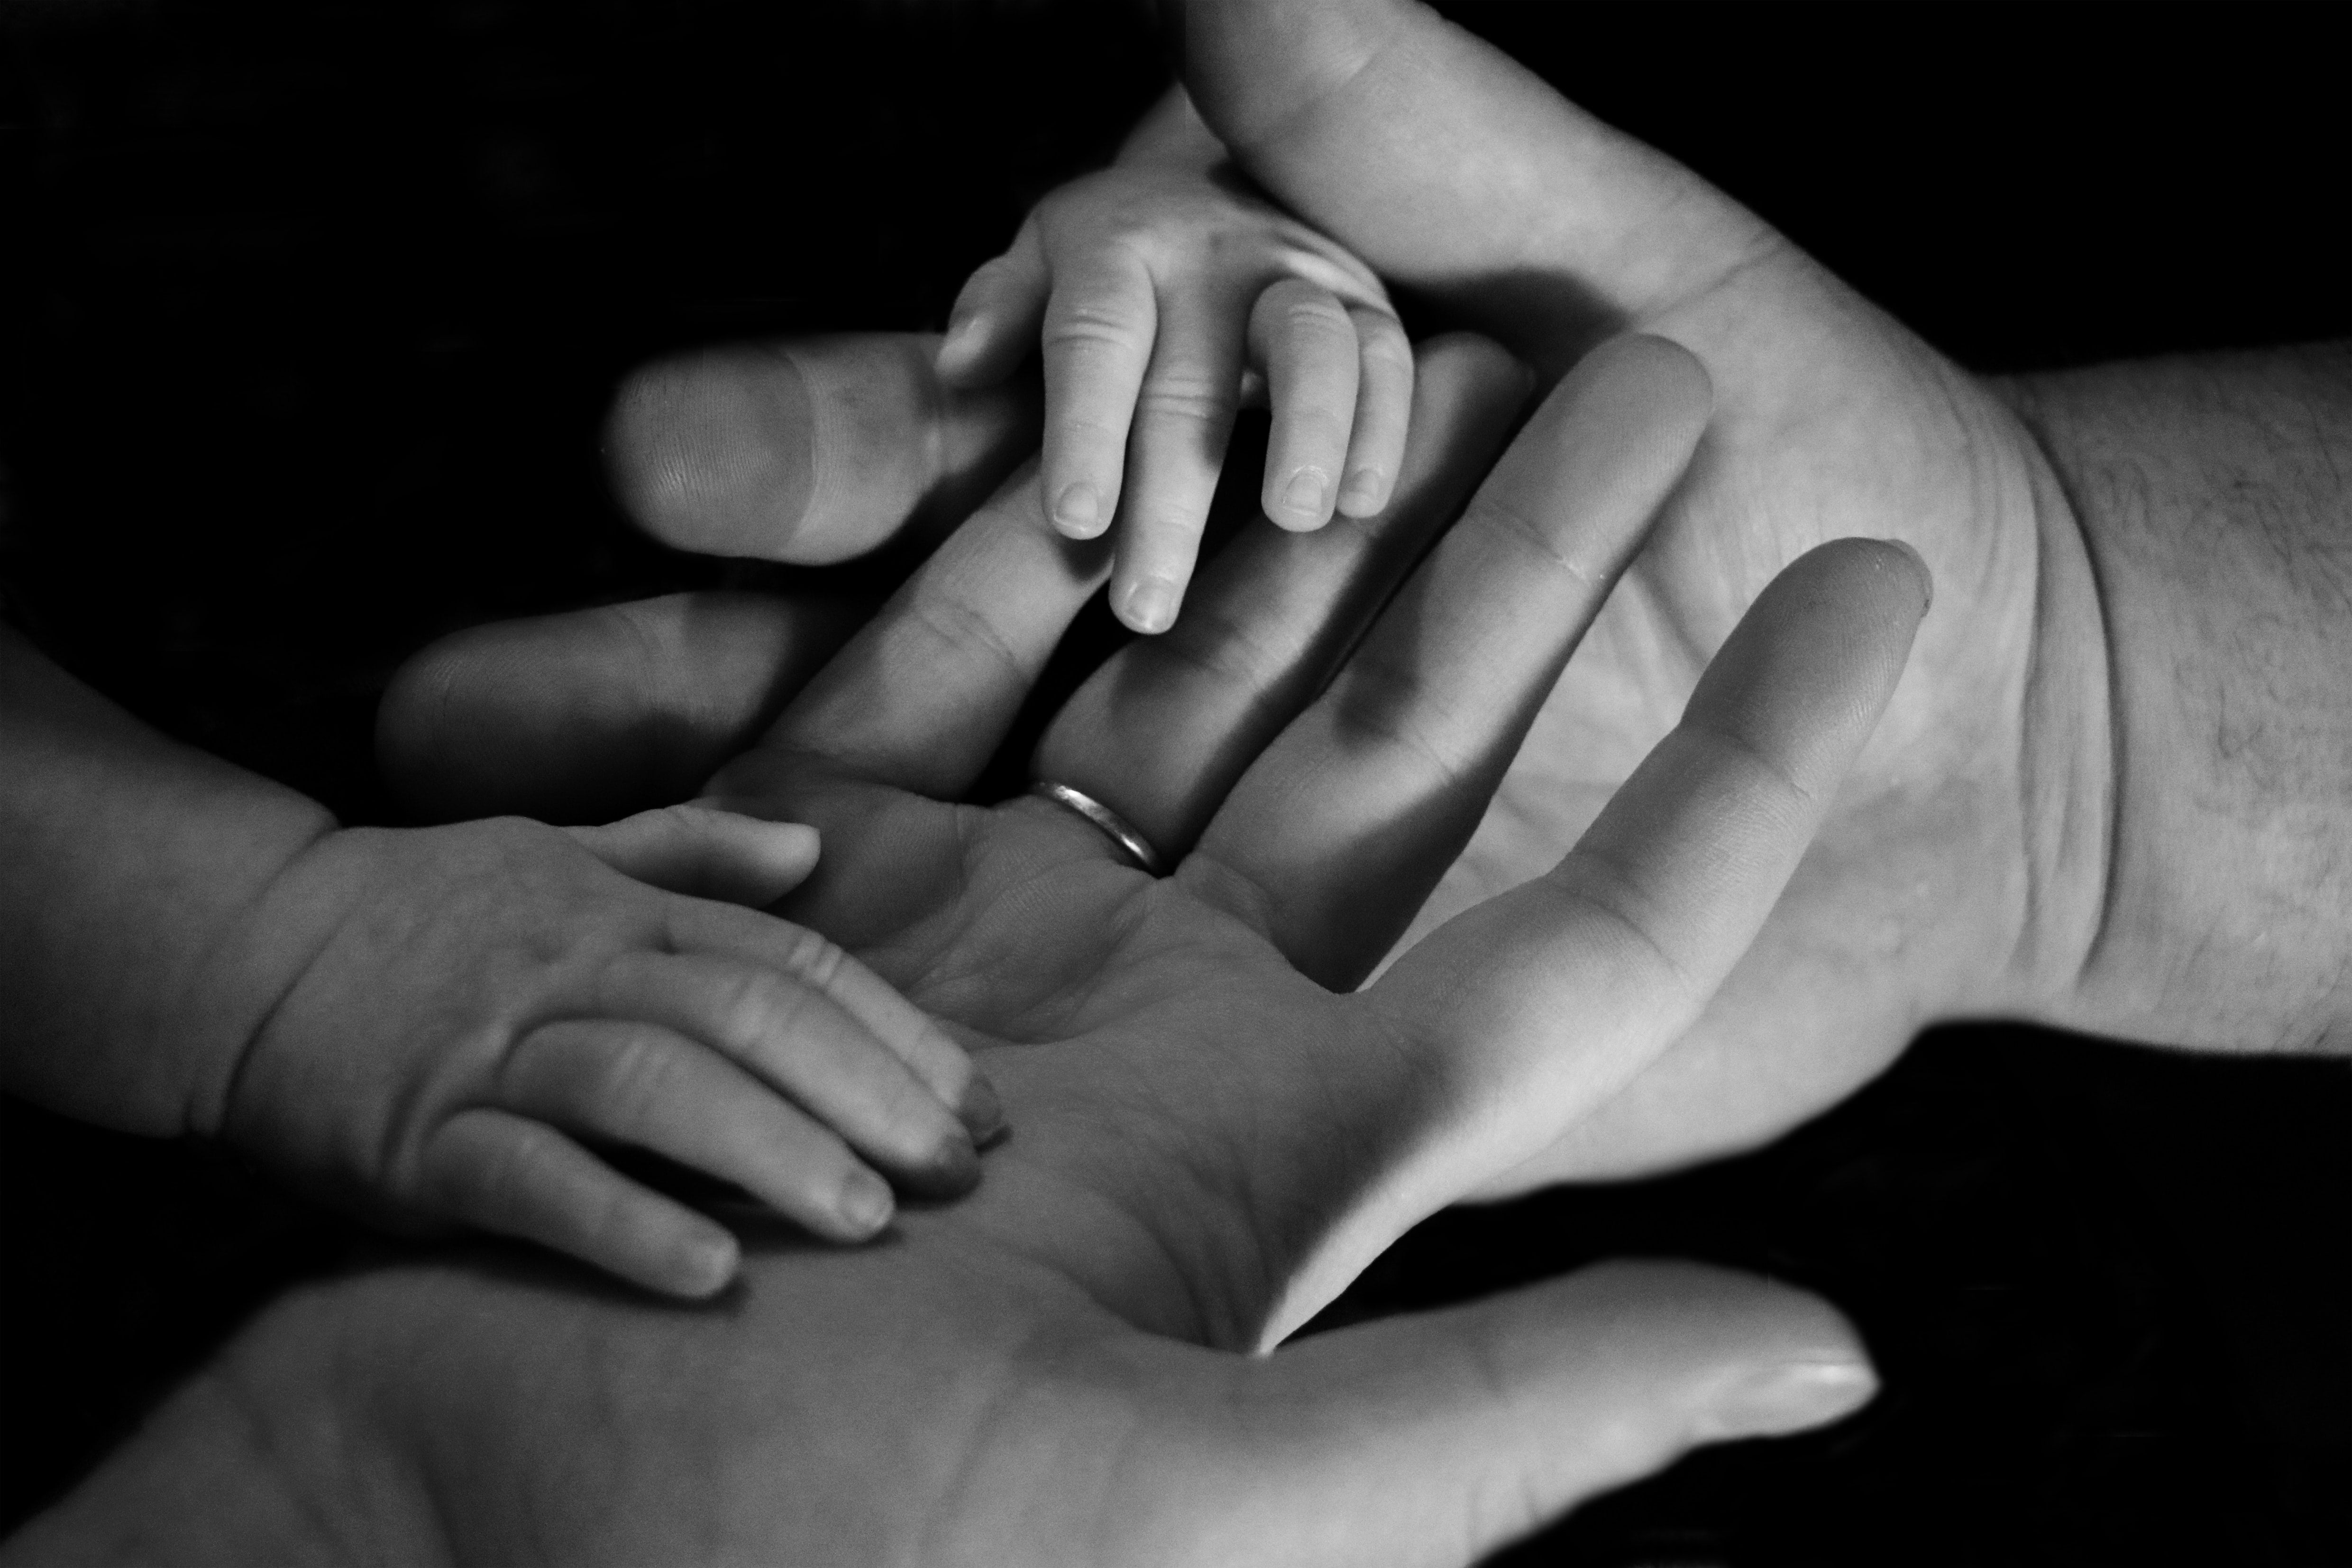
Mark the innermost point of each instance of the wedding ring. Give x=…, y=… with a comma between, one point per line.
x=1115, y=826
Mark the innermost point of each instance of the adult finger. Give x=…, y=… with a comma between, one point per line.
x=704, y=853
x=1518, y=1015
x=812, y=449
x=1331, y=838
x=1436, y=1439
x=1383, y=412
x=1446, y=166
x=1183, y=416
x=1305, y=338
x=995, y=321
x=593, y=714
x=1163, y=729
x=1097, y=339
x=649, y=1087
x=514, y=1176
x=782, y=1023
x=923, y=694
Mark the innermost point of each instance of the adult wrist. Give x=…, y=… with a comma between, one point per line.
x=2207, y=496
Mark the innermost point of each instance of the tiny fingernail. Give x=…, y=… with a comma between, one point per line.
x=957, y=1169
x=1362, y=494
x=710, y=1259
x=1306, y=492
x=982, y=1112
x=1792, y=1397
x=865, y=1201
x=1077, y=511
x=1151, y=604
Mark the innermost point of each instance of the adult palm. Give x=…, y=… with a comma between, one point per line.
x=1207, y=1142
x=1960, y=870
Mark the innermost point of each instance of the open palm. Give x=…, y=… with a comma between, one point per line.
x=1207, y=1142
x=1451, y=171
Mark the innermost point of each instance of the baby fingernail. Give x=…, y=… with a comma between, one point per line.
x=1151, y=604
x=982, y=1112
x=710, y=1259
x=865, y=1201
x=1362, y=492
x=1079, y=512
x=1792, y=1397
x=1306, y=492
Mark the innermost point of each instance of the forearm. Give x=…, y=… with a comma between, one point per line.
x=128, y=977
x=2210, y=494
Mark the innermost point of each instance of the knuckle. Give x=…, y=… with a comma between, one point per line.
x=1093, y=326
x=637, y=1074
x=1186, y=398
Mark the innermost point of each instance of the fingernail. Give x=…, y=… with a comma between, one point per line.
x=1362, y=492
x=982, y=1111
x=1306, y=493
x=865, y=1201
x=1151, y=604
x=1077, y=511
x=957, y=1169
x=710, y=1259
x=1792, y=1397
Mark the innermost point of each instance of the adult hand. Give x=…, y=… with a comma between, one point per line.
x=1206, y=1144
x=1960, y=869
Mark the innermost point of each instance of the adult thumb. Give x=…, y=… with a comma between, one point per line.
x=810, y=450
x=1449, y=168
x=1437, y=1437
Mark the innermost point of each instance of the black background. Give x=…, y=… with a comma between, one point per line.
x=316, y=310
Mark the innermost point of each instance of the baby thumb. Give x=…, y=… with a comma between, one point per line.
x=706, y=853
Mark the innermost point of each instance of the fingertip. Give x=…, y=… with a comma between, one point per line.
x=1147, y=605
x=962, y=355
x=1677, y=393
x=1299, y=501
x=707, y=1263
x=1365, y=493
x=1079, y=512
x=982, y=1111
x=1919, y=569
x=1782, y=1397
x=864, y=1205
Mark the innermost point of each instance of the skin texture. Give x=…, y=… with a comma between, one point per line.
x=2002, y=845
x=432, y=1027
x=1158, y=287
x=1207, y=1142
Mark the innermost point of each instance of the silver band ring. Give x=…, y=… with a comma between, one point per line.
x=1117, y=828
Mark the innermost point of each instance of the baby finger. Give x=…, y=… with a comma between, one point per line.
x=944, y=1066
x=780, y=1021
x=649, y=1087
x=518, y=1177
x=1306, y=341
x=1383, y=412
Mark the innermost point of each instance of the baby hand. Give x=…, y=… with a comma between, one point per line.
x=1153, y=288
x=480, y=1004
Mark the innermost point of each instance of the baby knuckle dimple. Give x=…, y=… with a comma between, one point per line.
x=807, y=956
x=1186, y=398
x=638, y=1073
x=1093, y=325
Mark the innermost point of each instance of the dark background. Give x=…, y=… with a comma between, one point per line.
x=315, y=310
